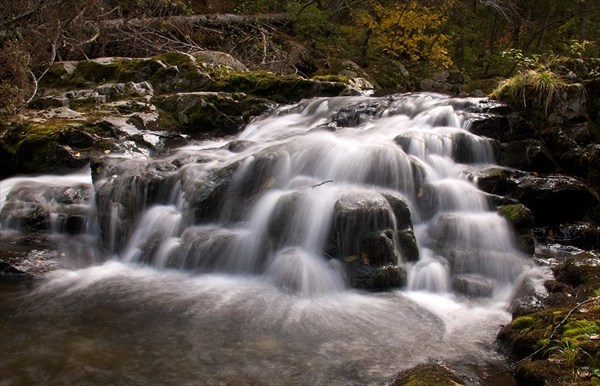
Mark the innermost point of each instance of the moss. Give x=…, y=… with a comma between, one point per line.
x=534, y=373
x=581, y=328
x=523, y=336
x=427, y=375
x=215, y=113
x=280, y=88
x=518, y=215
x=522, y=323
x=175, y=58
x=331, y=78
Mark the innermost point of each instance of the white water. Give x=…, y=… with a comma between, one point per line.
x=267, y=304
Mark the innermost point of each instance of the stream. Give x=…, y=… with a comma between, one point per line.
x=337, y=241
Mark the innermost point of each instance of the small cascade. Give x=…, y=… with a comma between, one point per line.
x=370, y=192
x=319, y=246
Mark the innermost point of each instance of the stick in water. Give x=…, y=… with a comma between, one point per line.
x=322, y=183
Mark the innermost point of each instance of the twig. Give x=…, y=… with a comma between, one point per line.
x=322, y=183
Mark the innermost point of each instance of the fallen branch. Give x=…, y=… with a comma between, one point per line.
x=322, y=183
x=213, y=20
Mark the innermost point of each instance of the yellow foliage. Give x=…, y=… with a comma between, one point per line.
x=407, y=30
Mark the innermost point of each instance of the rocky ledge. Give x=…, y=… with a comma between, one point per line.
x=136, y=106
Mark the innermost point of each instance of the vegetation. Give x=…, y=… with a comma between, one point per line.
x=480, y=38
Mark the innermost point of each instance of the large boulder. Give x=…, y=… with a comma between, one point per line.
x=528, y=154
x=556, y=198
x=47, y=207
x=124, y=188
x=372, y=233
x=208, y=112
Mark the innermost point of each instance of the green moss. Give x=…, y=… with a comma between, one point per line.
x=539, y=373
x=427, y=375
x=280, y=88
x=217, y=113
x=331, y=78
x=581, y=327
x=522, y=323
x=518, y=215
x=175, y=58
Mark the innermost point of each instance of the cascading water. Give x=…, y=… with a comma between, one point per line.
x=232, y=261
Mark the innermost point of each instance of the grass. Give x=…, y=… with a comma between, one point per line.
x=539, y=87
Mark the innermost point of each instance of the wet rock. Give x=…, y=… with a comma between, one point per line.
x=521, y=219
x=375, y=278
x=529, y=155
x=124, y=187
x=580, y=271
x=407, y=244
x=377, y=249
x=201, y=249
x=473, y=285
x=208, y=112
x=77, y=138
x=406, y=240
x=503, y=126
x=555, y=199
x=281, y=230
x=35, y=207
x=427, y=375
x=27, y=256
x=583, y=235
x=498, y=180
x=356, y=215
x=205, y=195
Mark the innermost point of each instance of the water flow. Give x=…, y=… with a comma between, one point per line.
x=276, y=222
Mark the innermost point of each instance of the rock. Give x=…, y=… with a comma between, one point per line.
x=570, y=105
x=555, y=199
x=27, y=256
x=124, y=188
x=377, y=249
x=529, y=155
x=356, y=215
x=39, y=207
x=521, y=219
x=77, y=138
x=428, y=374
x=580, y=271
x=375, y=278
x=208, y=112
x=219, y=59
x=579, y=234
x=502, y=125
x=206, y=194
x=498, y=180
x=472, y=285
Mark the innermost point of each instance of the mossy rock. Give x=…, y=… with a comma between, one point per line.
x=518, y=215
x=78, y=74
x=427, y=375
x=279, y=88
x=540, y=373
x=49, y=146
x=581, y=272
x=208, y=112
x=527, y=333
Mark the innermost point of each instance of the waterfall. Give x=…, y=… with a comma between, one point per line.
x=342, y=181
x=261, y=246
